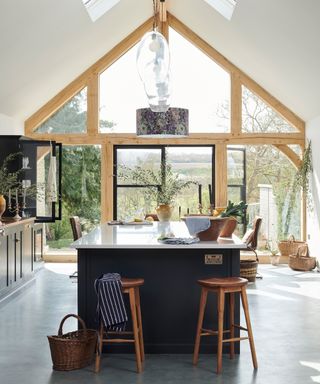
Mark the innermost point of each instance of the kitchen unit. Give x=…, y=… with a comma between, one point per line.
x=17, y=257
x=170, y=295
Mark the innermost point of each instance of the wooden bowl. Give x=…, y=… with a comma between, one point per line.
x=229, y=227
x=213, y=232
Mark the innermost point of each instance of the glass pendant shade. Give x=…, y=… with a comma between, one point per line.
x=173, y=123
x=153, y=63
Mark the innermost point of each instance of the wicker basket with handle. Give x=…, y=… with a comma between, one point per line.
x=73, y=350
x=290, y=246
x=302, y=261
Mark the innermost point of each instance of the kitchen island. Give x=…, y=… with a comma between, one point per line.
x=170, y=296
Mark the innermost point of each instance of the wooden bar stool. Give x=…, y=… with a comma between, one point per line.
x=221, y=286
x=130, y=287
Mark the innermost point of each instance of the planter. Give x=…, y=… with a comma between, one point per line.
x=164, y=212
x=274, y=259
x=213, y=232
x=229, y=227
x=2, y=206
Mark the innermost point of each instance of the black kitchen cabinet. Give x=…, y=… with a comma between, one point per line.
x=16, y=255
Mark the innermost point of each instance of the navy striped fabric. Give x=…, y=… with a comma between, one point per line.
x=110, y=308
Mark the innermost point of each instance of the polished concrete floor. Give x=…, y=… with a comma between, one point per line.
x=285, y=312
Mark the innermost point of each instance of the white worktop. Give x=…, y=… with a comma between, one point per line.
x=145, y=236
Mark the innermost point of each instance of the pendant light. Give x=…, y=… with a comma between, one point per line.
x=153, y=63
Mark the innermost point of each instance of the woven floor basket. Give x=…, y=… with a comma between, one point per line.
x=289, y=247
x=302, y=263
x=73, y=350
x=248, y=269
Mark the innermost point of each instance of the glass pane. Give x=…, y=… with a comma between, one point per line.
x=133, y=203
x=194, y=164
x=44, y=208
x=200, y=85
x=296, y=148
x=121, y=93
x=71, y=118
x=257, y=116
x=81, y=191
x=130, y=158
x=271, y=193
x=235, y=166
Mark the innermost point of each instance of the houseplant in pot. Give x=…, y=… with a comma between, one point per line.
x=232, y=212
x=162, y=185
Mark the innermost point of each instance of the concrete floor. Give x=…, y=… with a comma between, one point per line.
x=285, y=312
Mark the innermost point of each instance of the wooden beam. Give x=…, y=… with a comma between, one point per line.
x=221, y=179
x=93, y=105
x=291, y=155
x=162, y=11
x=236, y=105
x=194, y=138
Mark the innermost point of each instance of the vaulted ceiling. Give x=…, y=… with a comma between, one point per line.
x=45, y=44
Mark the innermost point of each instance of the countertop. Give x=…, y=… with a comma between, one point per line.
x=145, y=236
x=8, y=222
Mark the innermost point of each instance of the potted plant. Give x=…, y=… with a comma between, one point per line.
x=232, y=212
x=274, y=252
x=168, y=182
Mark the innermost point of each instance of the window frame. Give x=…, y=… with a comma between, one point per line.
x=162, y=147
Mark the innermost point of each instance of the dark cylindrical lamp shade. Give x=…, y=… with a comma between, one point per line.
x=174, y=122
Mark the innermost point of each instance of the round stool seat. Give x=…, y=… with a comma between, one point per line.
x=131, y=283
x=221, y=282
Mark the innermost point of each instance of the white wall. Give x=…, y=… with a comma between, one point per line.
x=10, y=126
x=313, y=223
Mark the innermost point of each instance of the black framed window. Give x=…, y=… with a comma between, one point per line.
x=190, y=162
x=237, y=179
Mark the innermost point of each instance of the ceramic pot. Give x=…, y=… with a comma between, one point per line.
x=164, y=212
x=229, y=227
x=213, y=232
x=2, y=206
x=274, y=259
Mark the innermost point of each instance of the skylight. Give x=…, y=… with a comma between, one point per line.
x=97, y=8
x=224, y=7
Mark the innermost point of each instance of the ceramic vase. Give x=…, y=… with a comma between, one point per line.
x=2, y=206
x=164, y=212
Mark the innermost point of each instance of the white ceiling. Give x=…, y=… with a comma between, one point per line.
x=45, y=44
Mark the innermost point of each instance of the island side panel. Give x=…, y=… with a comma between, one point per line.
x=170, y=296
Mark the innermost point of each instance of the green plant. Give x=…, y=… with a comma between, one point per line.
x=11, y=181
x=163, y=185
x=235, y=210
x=8, y=180
x=302, y=177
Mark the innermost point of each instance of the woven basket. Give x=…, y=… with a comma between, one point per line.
x=290, y=246
x=73, y=350
x=248, y=269
x=302, y=263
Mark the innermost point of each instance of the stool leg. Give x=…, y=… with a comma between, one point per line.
x=231, y=303
x=203, y=301
x=245, y=306
x=99, y=348
x=220, y=329
x=135, y=328
x=137, y=294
